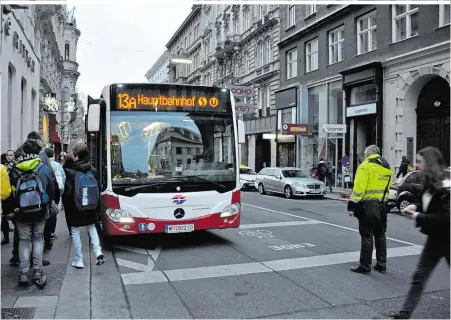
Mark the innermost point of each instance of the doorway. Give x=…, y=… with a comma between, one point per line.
x=433, y=116
x=262, y=152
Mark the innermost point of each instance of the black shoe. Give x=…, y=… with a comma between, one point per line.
x=100, y=260
x=14, y=261
x=40, y=278
x=24, y=281
x=380, y=269
x=48, y=245
x=45, y=262
x=5, y=241
x=360, y=269
x=53, y=236
x=398, y=315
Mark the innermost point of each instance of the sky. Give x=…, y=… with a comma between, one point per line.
x=120, y=42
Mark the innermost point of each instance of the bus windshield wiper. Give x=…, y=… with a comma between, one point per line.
x=145, y=186
x=204, y=180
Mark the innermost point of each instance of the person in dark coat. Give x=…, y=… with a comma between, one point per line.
x=432, y=216
x=78, y=219
x=404, y=167
x=67, y=163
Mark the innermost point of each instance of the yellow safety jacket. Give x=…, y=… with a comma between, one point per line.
x=371, y=180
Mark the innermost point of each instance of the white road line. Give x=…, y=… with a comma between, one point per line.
x=131, y=249
x=255, y=267
x=297, y=200
x=336, y=258
x=323, y=222
x=132, y=265
x=277, y=224
x=143, y=277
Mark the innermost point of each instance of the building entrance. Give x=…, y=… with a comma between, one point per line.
x=433, y=116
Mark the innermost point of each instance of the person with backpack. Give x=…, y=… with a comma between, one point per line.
x=322, y=170
x=329, y=174
x=81, y=199
x=34, y=191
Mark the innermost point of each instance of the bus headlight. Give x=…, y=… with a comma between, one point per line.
x=120, y=216
x=231, y=210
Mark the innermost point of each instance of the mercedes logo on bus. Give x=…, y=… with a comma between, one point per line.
x=179, y=213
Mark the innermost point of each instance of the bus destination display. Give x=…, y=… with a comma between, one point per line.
x=169, y=100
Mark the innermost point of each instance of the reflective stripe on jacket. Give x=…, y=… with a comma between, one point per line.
x=371, y=180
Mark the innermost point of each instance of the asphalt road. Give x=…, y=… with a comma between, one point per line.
x=289, y=259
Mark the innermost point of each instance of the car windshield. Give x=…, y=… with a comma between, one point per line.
x=247, y=171
x=148, y=147
x=294, y=174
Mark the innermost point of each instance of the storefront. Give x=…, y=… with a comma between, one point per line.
x=362, y=88
x=286, y=105
x=322, y=104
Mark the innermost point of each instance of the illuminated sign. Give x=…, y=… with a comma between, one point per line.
x=294, y=128
x=153, y=97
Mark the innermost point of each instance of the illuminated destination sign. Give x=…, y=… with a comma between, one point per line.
x=164, y=97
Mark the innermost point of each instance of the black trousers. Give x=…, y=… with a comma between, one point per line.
x=50, y=227
x=433, y=251
x=373, y=224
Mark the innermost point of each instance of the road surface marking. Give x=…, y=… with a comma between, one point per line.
x=132, y=265
x=255, y=267
x=323, y=222
x=292, y=246
x=261, y=234
x=277, y=224
x=304, y=199
x=131, y=249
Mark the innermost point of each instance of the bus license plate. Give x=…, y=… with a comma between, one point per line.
x=179, y=228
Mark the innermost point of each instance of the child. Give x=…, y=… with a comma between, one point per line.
x=81, y=199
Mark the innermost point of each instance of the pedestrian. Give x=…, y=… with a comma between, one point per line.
x=371, y=184
x=322, y=170
x=403, y=167
x=329, y=174
x=432, y=216
x=68, y=161
x=81, y=200
x=34, y=193
x=7, y=160
x=5, y=192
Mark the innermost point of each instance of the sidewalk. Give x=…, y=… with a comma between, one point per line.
x=93, y=292
x=339, y=194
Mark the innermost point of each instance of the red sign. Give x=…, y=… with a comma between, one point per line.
x=295, y=129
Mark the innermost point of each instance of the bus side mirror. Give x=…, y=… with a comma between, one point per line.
x=94, y=118
x=241, y=132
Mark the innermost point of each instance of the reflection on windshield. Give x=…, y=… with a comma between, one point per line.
x=148, y=147
x=247, y=171
x=294, y=174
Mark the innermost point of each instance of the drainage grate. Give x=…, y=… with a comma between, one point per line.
x=295, y=209
x=18, y=313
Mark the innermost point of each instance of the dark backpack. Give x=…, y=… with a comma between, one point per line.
x=86, y=192
x=323, y=168
x=329, y=169
x=31, y=198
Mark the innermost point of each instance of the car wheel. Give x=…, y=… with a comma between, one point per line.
x=403, y=202
x=261, y=188
x=288, y=192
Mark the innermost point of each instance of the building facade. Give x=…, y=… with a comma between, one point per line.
x=19, y=63
x=370, y=68
x=234, y=45
x=159, y=71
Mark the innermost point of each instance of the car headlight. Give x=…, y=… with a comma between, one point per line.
x=300, y=185
x=120, y=216
x=231, y=210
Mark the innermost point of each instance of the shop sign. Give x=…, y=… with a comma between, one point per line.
x=286, y=98
x=334, y=128
x=295, y=129
x=361, y=110
x=239, y=91
x=242, y=107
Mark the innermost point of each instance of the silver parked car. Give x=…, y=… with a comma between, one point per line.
x=289, y=181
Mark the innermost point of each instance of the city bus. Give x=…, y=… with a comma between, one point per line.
x=167, y=158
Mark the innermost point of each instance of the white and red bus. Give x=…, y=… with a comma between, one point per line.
x=167, y=157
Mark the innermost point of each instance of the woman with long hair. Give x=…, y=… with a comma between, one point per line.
x=432, y=216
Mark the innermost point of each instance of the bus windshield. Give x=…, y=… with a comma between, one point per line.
x=148, y=147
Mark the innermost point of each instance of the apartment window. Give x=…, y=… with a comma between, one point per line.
x=292, y=63
x=261, y=12
x=267, y=54
x=236, y=25
x=366, y=33
x=186, y=43
x=247, y=63
x=405, y=22
x=247, y=18
x=291, y=16
x=444, y=15
x=178, y=150
x=311, y=52
x=66, y=51
x=310, y=9
x=260, y=54
x=268, y=99
x=336, y=45
x=207, y=49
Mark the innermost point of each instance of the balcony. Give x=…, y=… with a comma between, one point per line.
x=70, y=65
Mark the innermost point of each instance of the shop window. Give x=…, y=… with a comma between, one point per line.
x=444, y=15
x=405, y=21
x=366, y=33
x=311, y=52
x=335, y=105
x=292, y=63
x=336, y=45
x=363, y=94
